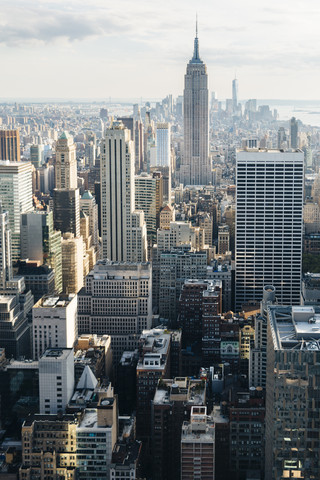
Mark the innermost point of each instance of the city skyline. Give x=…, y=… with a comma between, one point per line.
x=153, y=42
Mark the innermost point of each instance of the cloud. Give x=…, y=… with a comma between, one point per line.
x=22, y=23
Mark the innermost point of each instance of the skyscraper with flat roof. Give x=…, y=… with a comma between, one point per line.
x=196, y=168
x=269, y=224
x=10, y=145
x=16, y=196
x=123, y=228
x=163, y=144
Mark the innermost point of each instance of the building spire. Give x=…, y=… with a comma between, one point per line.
x=196, y=56
x=196, y=25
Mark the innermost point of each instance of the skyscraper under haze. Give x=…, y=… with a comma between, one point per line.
x=269, y=224
x=234, y=95
x=196, y=168
x=294, y=140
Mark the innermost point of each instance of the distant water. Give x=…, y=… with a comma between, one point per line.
x=308, y=111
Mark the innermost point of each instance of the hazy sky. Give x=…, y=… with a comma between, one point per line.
x=134, y=48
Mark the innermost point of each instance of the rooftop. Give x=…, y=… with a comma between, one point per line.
x=295, y=327
x=61, y=301
x=180, y=389
x=53, y=353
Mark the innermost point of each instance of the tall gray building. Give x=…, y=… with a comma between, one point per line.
x=269, y=224
x=196, y=168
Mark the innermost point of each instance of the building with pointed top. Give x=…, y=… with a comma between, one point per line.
x=66, y=162
x=196, y=168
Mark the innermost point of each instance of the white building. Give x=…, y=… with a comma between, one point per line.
x=56, y=379
x=163, y=133
x=117, y=196
x=269, y=224
x=16, y=196
x=54, y=323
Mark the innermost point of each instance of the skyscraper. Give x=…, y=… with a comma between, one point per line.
x=40, y=242
x=196, y=168
x=16, y=196
x=66, y=162
x=10, y=145
x=37, y=155
x=269, y=224
x=234, y=95
x=119, y=221
x=66, y=210
x=163, y=144
x=294, y=141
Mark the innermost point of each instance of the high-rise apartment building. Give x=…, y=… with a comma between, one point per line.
x=269, y=226
x=56, y=379
x=54, y=323
x=16, y=197
x=10, y=145
x=198, y=446
x=196, y=167
x=293, y=392
x=66, y=162
x=40, y=242
x=118, y=198
x=163, y=133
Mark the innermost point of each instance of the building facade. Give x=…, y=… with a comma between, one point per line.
x=10, y=145
x=269, y=224
x=118, y=198
x=16, y=196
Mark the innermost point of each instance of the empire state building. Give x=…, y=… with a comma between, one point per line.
x=195, y=168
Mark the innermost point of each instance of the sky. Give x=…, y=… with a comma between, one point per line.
x=124, y=48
